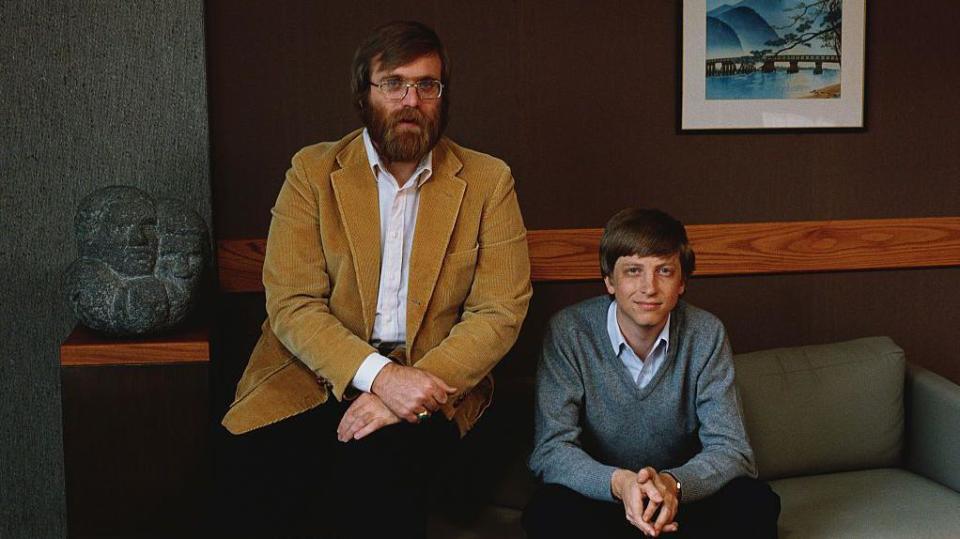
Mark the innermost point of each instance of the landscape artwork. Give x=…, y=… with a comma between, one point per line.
x=772, y=64
x=773, y=49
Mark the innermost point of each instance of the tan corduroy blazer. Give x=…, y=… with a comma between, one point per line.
x=468, y=290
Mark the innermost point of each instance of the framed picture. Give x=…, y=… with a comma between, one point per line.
x=768, y=64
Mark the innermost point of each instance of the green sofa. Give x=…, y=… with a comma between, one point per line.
x=856, y=442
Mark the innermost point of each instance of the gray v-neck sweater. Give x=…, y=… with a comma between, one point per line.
x=592, y=418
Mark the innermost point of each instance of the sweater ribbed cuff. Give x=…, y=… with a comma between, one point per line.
x=597, y=479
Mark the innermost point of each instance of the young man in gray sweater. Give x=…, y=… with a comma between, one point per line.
x=638, y=427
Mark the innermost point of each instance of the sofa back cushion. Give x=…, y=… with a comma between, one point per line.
x=823, y=408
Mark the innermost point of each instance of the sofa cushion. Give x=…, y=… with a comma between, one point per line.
x=823, y=408
x=883, y=503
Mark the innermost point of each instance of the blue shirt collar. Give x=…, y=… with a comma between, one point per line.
x=617, y=341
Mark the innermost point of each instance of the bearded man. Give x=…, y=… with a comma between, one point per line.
x=396, y=277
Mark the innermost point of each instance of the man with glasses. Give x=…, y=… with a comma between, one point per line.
x=396, y=277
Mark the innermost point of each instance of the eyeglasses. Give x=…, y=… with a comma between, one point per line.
x=396, y=89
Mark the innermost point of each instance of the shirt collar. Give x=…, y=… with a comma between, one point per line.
x=423, y=171
x=617, y=341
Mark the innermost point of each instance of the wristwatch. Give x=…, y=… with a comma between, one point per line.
x=679, y=488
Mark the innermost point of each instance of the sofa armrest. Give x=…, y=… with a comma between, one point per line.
x=933, y=415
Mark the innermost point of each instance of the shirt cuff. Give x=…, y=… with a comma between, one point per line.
x=369, y=369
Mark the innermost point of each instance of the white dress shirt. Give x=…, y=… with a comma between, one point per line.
x=640, y=371
x=398, y=219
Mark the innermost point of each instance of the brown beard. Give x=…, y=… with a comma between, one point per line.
x=401, y=146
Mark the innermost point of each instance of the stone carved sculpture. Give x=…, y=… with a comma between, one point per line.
x=141, y=262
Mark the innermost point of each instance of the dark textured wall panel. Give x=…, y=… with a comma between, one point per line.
x=580, y=98
x=91, y=94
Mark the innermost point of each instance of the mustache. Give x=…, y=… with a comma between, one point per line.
x=407, y=115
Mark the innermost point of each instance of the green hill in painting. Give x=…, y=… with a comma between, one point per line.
x=752, y=29
x=722, y=40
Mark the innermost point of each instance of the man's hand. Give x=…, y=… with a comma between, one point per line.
x=408, y=391
x=366, y=415
x=668, y=504
x=642, y=494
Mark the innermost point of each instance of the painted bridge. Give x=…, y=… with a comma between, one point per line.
x=748, y=64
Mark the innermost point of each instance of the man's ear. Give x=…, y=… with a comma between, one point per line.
x=609, y=283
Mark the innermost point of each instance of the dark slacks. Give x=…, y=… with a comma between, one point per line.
x=295, y=479
x=743, y=508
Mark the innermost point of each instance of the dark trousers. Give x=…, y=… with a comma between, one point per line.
x=743, y=508
x=295, y=479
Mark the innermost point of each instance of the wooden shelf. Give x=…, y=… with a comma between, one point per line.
x=135, y=433
x=85, y=347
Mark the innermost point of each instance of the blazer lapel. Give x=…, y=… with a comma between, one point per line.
x=358, y=201
x=440, y=199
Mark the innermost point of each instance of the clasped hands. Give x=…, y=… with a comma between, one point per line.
x=398, y=393
x=644, y=493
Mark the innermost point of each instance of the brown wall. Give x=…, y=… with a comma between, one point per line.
x=581, y=99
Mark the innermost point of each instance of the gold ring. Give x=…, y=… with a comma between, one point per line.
x=423, y=416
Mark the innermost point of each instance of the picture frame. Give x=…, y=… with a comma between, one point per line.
x=762, y=64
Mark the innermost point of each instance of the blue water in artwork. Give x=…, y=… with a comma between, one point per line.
x=776, y=85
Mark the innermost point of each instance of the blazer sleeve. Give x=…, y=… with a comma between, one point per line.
x=497, y=302
x=297, y=285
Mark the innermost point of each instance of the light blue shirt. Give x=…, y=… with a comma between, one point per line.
x=640, y=371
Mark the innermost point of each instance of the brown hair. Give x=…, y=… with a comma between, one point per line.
x=395, y=44
x=644, y=232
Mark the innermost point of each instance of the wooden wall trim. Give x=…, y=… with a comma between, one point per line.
x=722, y=249
x=240, y=265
